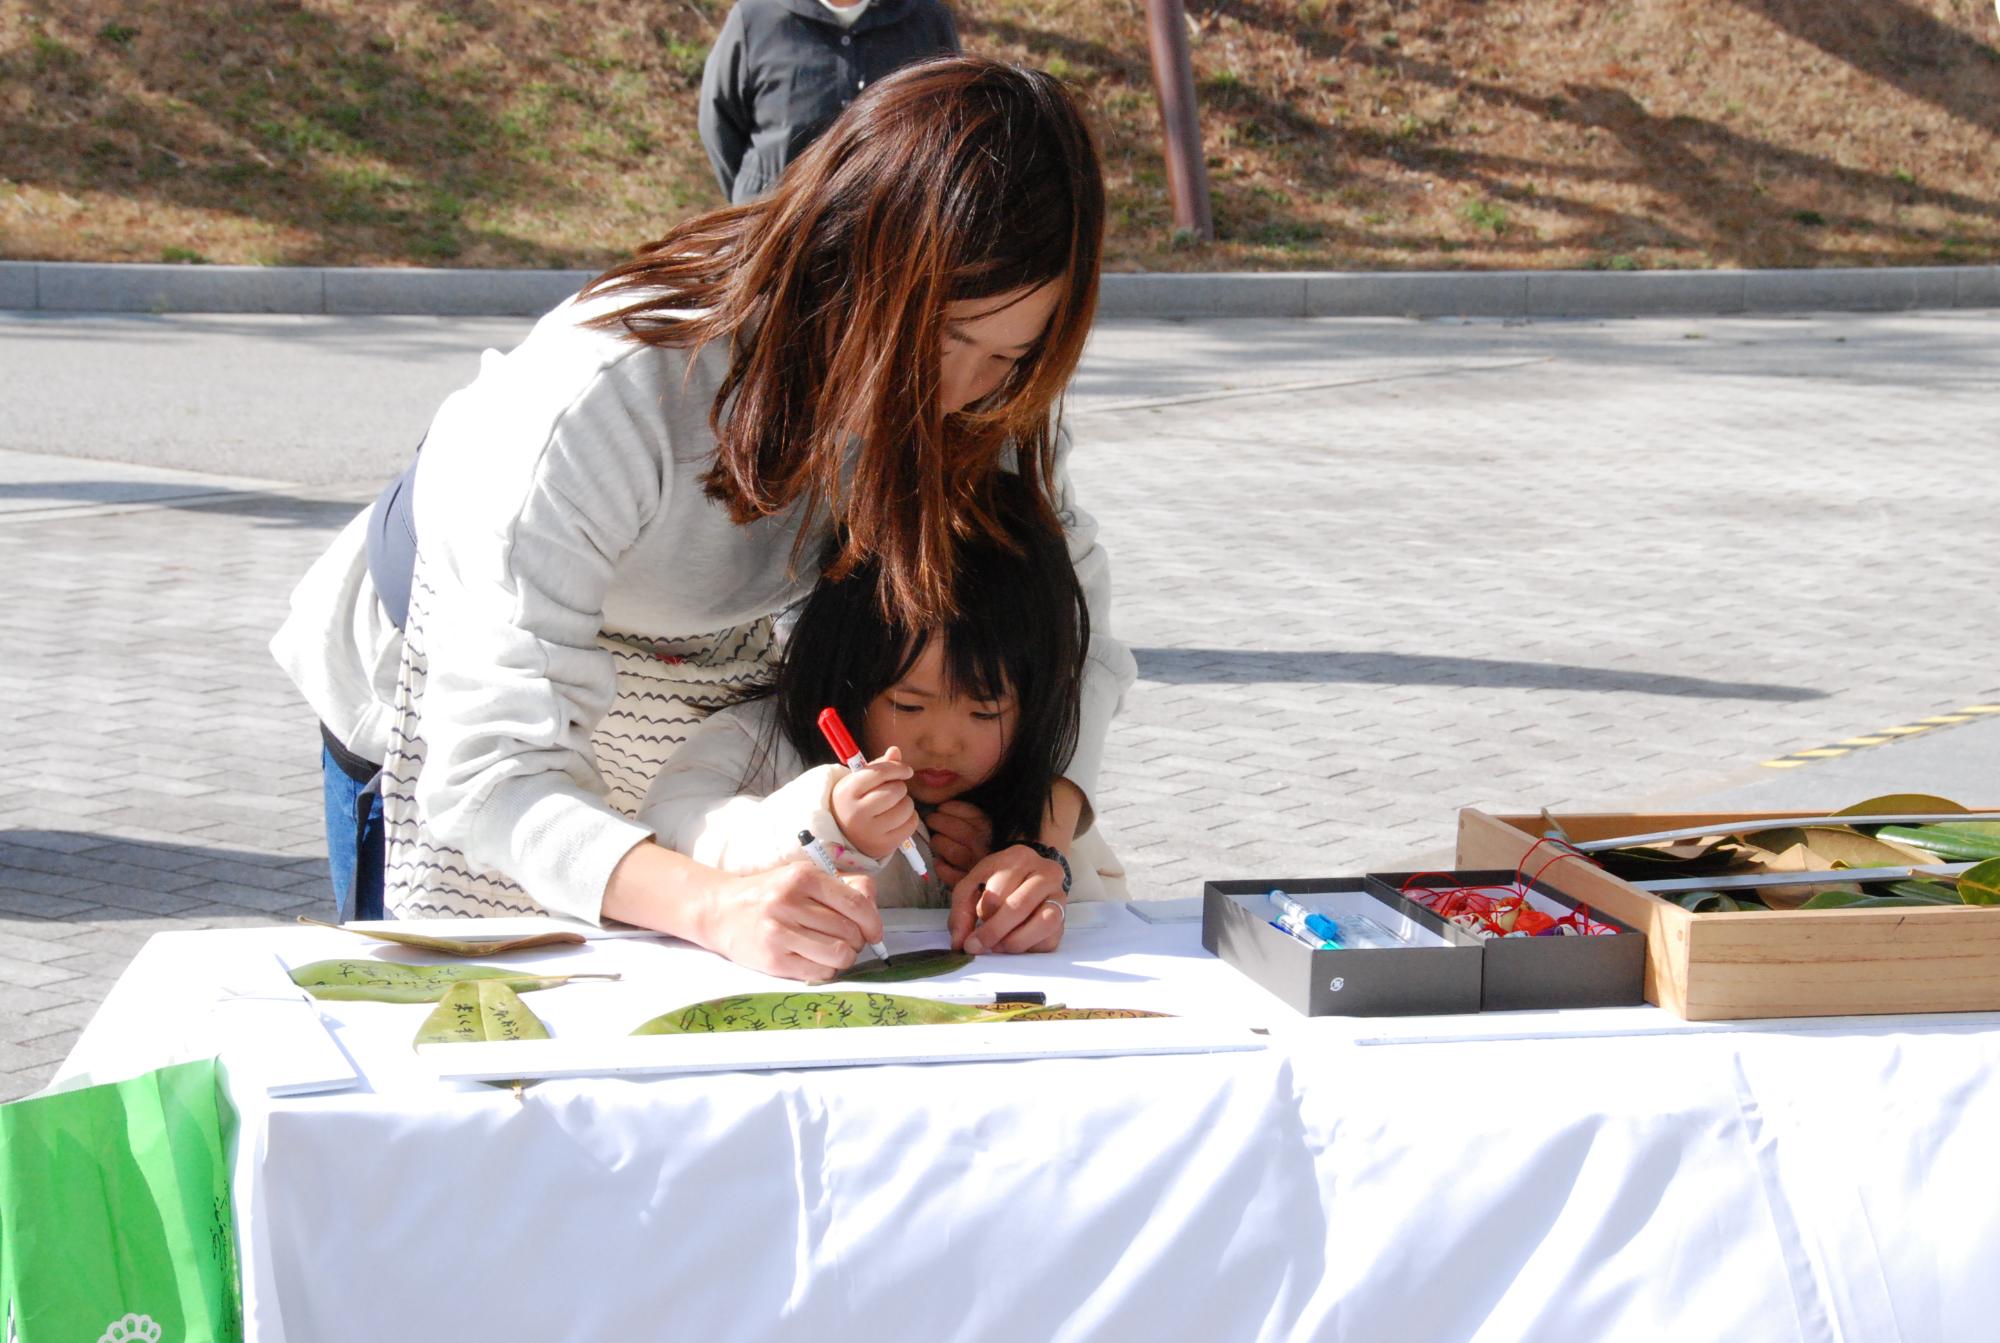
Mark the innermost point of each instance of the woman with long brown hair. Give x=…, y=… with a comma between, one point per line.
x=588, y=552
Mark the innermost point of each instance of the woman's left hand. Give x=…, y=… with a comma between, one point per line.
x=1010, y=901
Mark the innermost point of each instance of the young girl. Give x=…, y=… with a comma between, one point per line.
x=966, y=724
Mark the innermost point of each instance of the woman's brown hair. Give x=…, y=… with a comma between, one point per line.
x=953, y=179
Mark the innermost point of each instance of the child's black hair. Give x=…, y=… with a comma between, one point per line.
x=1022, y=627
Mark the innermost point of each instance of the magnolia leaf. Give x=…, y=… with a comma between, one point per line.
x=818, y=1010
x=925, y=964
x=1837, y=847
x=1900, y=804
x=1836, y=897
x=1777, y=851
x=1980, y=884
x=1644, y=862
x=1853, y=899
x=452, y=946
x=1720, y=902
x=395, y=982
x=477, y=1010
x=1786, y=897
x=1082, y=1014
x=1955, y=841
x=1930, y=892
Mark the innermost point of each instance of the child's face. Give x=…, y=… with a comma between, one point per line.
x=953, y=744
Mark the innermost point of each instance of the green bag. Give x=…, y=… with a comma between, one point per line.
x=115, y=1221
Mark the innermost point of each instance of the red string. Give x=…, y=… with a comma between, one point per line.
x=1459, y=902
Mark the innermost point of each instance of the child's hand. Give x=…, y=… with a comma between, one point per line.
x=961, y=834
x=1010, y=901
x=872, y=805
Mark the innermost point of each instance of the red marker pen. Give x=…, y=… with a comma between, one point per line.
x=843, y=744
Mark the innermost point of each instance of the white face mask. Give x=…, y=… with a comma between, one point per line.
x=845, y=15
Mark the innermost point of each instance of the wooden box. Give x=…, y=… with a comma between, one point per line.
x=1792, y=963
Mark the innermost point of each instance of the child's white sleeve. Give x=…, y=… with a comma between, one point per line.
x=703, y=803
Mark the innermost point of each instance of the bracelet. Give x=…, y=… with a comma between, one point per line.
x=1052, y=853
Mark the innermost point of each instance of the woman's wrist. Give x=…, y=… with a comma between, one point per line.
x=656, y=887
x=1054, y=855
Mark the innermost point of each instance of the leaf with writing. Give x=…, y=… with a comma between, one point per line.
x=476, y=1010
x=396, y=982
x=453, y=946
x=817, y=1010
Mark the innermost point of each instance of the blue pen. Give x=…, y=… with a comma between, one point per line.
x=1296, y=919
x=1312, y=940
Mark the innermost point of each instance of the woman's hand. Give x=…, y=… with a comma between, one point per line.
x=794, y=921
x=872, y=805
x=1010, y=901
x=961, y=834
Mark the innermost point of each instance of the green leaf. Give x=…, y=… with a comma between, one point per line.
x=1957, y=841
x=1931, y=892
x=1900, y=804
x=396, y=982
x=817, y=1010
x=1855, y=899
x=1850, y=848
x=1718, y=902
x=1980, y=885
x=925, y=964
x=452, y=946
x=477, y=1010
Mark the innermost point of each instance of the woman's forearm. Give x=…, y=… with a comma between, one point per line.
x=656, y=887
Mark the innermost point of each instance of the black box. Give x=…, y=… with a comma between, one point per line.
x=1353, y=981
x=1599, y=970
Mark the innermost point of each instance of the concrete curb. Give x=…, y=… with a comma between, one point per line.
x=57, y=286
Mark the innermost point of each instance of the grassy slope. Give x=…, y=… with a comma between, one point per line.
x=1340, y=133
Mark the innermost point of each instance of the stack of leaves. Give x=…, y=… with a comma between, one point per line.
x=1852, y=843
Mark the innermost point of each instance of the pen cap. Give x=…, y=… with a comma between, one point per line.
x=836, y=734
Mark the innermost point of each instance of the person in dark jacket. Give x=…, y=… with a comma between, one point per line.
x=781, y=70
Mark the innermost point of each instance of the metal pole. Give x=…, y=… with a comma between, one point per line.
x=1173, y=81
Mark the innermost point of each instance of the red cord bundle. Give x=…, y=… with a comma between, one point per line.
x=1477, y=910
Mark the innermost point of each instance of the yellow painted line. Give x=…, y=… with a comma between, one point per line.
x=1882, y=736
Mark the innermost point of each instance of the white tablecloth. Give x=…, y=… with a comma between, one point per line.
x=1364, y=1180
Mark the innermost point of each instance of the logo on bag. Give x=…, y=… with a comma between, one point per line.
x=131, y=1329
x=1339, y=983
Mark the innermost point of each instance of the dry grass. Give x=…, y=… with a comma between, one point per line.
x=1346, y=134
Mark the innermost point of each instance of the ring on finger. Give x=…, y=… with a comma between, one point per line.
x=1057, y=905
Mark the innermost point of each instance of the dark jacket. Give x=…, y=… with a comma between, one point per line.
x=781, y=70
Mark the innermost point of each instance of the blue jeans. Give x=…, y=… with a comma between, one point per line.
x=354, y=847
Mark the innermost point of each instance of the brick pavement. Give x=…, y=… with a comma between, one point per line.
x=1453, y=563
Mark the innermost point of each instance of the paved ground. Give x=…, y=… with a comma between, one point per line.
x=1374, y=570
